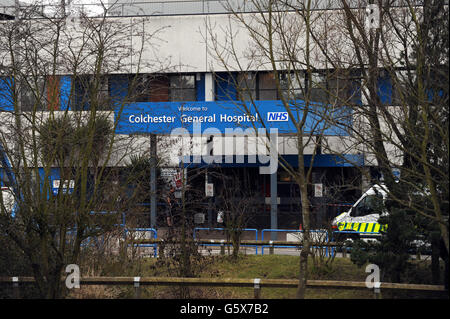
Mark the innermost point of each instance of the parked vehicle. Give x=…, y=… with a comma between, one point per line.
x=361, y=220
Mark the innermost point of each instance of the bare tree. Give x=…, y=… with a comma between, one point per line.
x=400, y=124
x=238, y=204
x=279, y=41
x=59, y=124
x=399, y=50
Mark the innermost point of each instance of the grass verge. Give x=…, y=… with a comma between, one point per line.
x=264, y=267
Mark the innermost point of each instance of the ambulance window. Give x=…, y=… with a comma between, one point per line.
x=374, y=204
x=371, y=204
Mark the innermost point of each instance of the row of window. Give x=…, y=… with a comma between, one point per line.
x=162, y=88
x=46, y=91
x=320, y=87
x=324, y=87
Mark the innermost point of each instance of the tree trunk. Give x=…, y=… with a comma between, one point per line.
x=303, y=274
x=302, y=182
x=435, y=269
x=236, y=243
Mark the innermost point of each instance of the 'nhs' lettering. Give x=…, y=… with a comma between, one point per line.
x=277, y=116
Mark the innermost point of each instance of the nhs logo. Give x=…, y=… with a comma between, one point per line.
x=277, y=116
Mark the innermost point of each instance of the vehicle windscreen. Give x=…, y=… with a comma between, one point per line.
x=371, y=204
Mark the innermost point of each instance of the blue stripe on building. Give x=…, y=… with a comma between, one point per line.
x=236, y=161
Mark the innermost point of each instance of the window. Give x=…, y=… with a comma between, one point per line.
x=104, y=101
x=162, y=88
x=149, y=88
x=284, y=176
x=403, y=86
x=371, y=204
x=35, y=92
x=384, y=86
x=182, y=88
x=40, y=93
x=318, y=88
x=293, y=85
x=80, y=93
x=247, y=86
x=86, y=92
x=159, y=88
x=396, y=89
x=139, y=87
x=257, y=86
x=343, y=87
x=225, y=86
x=333, y=87
x=267, y=87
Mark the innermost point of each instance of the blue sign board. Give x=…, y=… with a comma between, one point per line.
x=163, y=117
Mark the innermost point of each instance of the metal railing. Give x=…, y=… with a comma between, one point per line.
x=143, y=231
x=255, y=283
x=222, y=242
x=323, y=234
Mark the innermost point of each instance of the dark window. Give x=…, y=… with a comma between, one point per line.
x=403, y=86
x=267, y=87
x=343, y=87
x=104, y=100
x=33, y=94
x=118, y=86
x=336, y=87
x=80, y=95
x=293, y=85
x=396, y=89
x=159, y=89
x=371, y=204
x=149, y=88
x=318, y=88
x=40, y=93
x=182, y=88
x=225, y=86
x=384, y=86
x=257, y=86
x=139, y=88
x=86, y=93
x=246, y=86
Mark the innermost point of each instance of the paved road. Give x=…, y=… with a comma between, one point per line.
x=215, y=251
